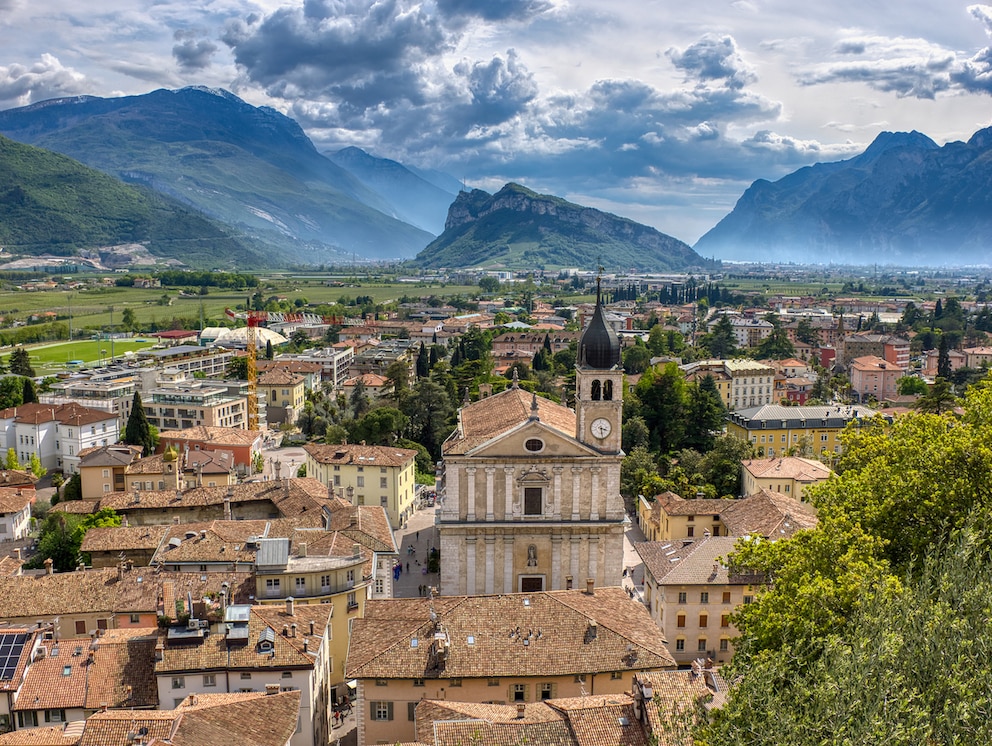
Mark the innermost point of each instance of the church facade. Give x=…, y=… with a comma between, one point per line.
x=531, y=489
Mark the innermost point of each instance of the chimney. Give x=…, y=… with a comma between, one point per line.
x=49, y=566
x=301, y=550
x=277, y=465
x=306, y=644
x=568, y=582
x=311, y=626
x=159, y=650
x=590, y=585
x=521, y=709
x=356, y=550
x=17, y=553
x=285, y=630
x=292, y=630
x=227, y=506
x=271, y=689
x=290, y=606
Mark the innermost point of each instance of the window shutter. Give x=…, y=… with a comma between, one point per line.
x=389, y=710
x=410, y=707
x=371, y=710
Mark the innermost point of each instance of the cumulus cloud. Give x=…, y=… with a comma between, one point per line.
x=713, y=58
x=192, y=51
x=48, y=78
x=500, y=88
x=908, y=67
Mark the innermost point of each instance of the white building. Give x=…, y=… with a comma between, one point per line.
x=57, y=433
x=15, y=512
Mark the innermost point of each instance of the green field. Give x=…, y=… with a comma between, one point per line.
x=52, y=357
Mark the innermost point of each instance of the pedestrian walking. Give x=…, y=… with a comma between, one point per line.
x=337, y=718
x=408, y=567
x=418, y=536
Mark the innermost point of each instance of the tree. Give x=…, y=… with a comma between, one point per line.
x=11, y=391
x=635, y=433
x=29, y=394
x=639, y=475
x=720, y=341
x=12, y=463
x=36, y=468
x=359, y=401
x=138, y=431
x=128, y=320
x=429, y=410
x=489, y=284
x=943, y=358
x=20, y=363
x=721, y=466
x=940, y=397
x=636, y=359
x=237, y=369
x=398, y=375
x=909, y=385
x=269, y=352
x=806, y=333
x=662, y=393
x=776, y=345
x=423, y=362
x=62, y=535
x=706, y=414
x=382, y=426
x=73, y=489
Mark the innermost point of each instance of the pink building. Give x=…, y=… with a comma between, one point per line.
x=874, y=377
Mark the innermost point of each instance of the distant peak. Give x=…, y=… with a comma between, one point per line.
x=888, y=140
x=219, y=92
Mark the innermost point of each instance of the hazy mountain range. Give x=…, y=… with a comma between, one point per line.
x=905, y=200
x=270, y=197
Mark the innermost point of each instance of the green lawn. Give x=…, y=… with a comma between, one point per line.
x=51, y=357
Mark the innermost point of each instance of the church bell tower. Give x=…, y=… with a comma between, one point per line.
x=599, y=384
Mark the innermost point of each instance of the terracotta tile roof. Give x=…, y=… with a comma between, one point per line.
x=140, y=590
x=291, y=497
x=687, y=562
x=119, y=674
x=113, y=728
x=76, y=507
x=122, y=538
x=359, y=454
x=13, y=499
x=115, y=455
x=579, y=721
x=10, y=566
x=278, y=377
x=770, y=514
x=483, y=420
x=209, y=462
x=222, y=436
x=673, y=504
x=676, y=696
x=16, y=478
x=154, y=464
x=293, y=366
x=787, y=467
x=557, y=626
x=49, y=735
x=253, y=720
x=216, y=653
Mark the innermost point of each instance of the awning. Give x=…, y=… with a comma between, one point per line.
x=353, y=684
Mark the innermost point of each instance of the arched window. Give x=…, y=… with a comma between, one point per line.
x=607, y=390
x=596, y=392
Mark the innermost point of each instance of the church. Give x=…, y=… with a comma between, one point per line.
x=531, y=489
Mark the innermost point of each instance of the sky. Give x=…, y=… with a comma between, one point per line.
x=664, y=112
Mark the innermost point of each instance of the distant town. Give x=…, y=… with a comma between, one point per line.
x=359, y=506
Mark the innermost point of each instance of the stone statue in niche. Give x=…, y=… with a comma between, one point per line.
x=532, y=556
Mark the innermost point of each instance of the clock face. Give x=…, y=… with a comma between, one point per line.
x=601, y=427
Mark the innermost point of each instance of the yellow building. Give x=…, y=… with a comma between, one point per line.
x=283, y=393
x=504, y=649
x=741, y=383
x=789, y=475
x=368, y=475
x=775, y=430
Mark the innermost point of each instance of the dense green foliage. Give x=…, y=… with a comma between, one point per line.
x=874, y=629
x=62, y=535
x=138, y=431
x=52, y=204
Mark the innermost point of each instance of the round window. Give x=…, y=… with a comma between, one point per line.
x=534, y=445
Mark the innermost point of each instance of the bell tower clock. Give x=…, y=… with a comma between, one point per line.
x=599, y=384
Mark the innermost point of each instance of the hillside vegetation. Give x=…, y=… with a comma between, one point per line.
x=51, y=204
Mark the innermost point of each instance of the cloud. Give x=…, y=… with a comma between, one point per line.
x=490, y=10
x=499, y=88
x=48, y=78
x=713, y=58
x=192, y=52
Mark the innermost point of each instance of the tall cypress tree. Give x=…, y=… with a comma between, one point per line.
x=29, y=392
x=423, y=362
x=138, y=432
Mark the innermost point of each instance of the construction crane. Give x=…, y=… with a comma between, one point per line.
x=253, y=319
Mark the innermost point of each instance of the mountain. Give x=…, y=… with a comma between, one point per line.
x=520, y=229
x=905, y=200
x=51, y=204
x=249, y=167
x=414, y=199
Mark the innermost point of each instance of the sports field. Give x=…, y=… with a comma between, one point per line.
x=49, y=358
